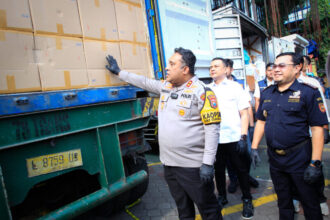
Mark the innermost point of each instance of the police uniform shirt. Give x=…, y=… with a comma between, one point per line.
x=231, y=99
x=289, y=114
x=188, y=120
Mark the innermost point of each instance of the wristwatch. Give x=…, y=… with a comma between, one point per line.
x=243, y=137
x=316, y=163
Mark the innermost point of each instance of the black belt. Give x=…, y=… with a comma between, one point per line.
x=284, y=152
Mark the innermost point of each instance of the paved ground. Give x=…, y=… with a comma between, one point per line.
x=157, y=203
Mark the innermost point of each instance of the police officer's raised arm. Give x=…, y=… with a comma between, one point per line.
x=143, y=82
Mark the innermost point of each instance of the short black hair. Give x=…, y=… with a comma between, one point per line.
x=296, y=58
x=222, y=59
x=229, y=63
x=269, y=65
x=308, y=59
x=188, y=58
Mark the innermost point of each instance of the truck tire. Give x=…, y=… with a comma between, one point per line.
x=139, y=164
x=118, y=203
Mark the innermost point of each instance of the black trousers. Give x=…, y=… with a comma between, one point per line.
x=240, y=163
x=308, y=195
x=187, y=188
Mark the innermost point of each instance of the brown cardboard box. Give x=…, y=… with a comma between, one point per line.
x=61, y=62
x=96, y=51
x=18, y=71
x=136, y=58
x=58, y=17
x=70, y=41
x=130, y=21
x=98, y=19
x=15, y=15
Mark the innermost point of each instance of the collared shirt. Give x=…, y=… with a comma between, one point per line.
x=258, y=89
x=288, y=114
x=231, y=99
x=184, y=140
x=314, y=83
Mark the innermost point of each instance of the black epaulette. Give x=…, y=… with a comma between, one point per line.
x=309, y=85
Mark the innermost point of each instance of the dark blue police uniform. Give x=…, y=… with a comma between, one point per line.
x=288, y=116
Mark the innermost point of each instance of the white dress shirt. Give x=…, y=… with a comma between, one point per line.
x=231, y=99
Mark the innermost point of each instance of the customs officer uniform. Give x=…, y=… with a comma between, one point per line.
x=288, y=116
x=188, y=122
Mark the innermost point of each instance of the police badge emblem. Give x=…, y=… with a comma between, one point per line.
x=213, y=101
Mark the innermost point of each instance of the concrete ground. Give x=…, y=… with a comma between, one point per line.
x=157, y=203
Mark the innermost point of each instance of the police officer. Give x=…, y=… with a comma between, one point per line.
x=188, y=120
x=262, y=84
x=287, y=110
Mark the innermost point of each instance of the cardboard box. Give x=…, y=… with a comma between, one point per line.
x=69, y=43
x=98, y=19
x=96, y=52
x=61, y=62
x=58, y=17
x=18, y=71
x=15, y=15
x=131, y=21
x=136, y=58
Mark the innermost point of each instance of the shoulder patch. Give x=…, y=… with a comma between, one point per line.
x=210, y=113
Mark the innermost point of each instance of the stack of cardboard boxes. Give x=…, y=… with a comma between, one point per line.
x=58, y=45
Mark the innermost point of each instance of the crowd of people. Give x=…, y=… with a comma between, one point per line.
x=204, y=129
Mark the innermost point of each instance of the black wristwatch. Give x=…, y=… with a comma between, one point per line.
x=316, y=163
x=243, y=137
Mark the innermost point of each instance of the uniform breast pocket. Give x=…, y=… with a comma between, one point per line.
x=267, y=110
x=292, y=113
x=184, y=108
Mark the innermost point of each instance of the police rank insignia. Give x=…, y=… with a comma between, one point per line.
x=295, y=97
x=189, y=84
x=210, y=113
x=264, y=113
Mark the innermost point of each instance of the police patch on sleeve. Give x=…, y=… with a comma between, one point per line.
x=210, y=112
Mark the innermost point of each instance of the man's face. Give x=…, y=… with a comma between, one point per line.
x=175, y=69
x=218, y=70
x=270, y=73
x=285, y=70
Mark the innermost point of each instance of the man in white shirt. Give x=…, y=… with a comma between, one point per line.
x=233, y=134
x=231, y=172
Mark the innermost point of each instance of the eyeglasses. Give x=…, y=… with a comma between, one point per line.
x=282, y=65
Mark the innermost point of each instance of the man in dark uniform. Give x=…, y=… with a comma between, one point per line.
x=287, y=110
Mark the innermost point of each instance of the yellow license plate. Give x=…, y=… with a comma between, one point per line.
x=53, y=162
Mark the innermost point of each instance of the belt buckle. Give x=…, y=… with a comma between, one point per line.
x=280, y=152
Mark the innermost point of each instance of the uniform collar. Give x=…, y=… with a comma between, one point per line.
x=188, y=84
x=294, y=86
x=224, y=81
